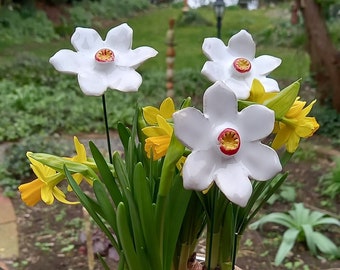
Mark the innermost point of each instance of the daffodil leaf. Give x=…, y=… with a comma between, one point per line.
x=124, y=134
x=282, y=102
x=106, y=175
x=105, y=204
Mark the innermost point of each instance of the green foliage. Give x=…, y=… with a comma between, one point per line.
x=285, y=193
x=331, y=181
x=301, y=224
x=329, y=120
x=16, y=28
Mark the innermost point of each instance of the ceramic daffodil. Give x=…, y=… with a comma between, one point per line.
x=226, y=144
x=236, y=64
x=103, y=64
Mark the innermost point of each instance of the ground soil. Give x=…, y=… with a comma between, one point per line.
x=51, y=236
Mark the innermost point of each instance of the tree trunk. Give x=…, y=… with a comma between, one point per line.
x=325, y=59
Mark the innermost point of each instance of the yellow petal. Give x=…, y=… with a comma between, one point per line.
x=80, y=150
x=158, y=146
x=60, y=196
x=167, y=108
x=307, y=128
x=47, y=194
x=150, y=113
x=154, y=131
x=293, y=142
x=282, y=136
x=163, y=124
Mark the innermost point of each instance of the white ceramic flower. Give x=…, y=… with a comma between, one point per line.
x=236, y=65
x=226, y=144
x=103, y=64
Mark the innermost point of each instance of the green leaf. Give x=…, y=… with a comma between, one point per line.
x=279, y=218
x=124, y=135
x=325, y=244
x=126, y=239
x=90, y=207
x=286, y=245
x=308, y=233
x=106, y=175
x=282, y=102
x=105, y=204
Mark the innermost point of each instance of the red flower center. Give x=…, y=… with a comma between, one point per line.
x=229, y=141
x=242, y=65
x=105, y=56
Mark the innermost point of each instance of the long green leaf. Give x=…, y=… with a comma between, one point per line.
x=90, y=208
x=106, y=175
x=286, y=245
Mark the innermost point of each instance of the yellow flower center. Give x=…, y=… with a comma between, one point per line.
x=242, y=65
x=105, y=56
x=229, y=141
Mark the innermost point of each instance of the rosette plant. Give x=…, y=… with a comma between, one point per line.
x=182, y=171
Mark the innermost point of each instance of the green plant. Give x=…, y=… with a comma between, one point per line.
x=301, y=223
x=331, y=181
x=285, y=193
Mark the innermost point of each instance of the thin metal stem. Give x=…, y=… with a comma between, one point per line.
x=107, y=129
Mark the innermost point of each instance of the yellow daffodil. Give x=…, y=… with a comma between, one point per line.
x=160, y=130
x=294, y=126
x=44, y=187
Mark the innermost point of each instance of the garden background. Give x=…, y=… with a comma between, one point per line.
x=42, y=109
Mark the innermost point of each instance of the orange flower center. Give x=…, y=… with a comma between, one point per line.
x=229, y=141
x=242, y=65
x=105, y=56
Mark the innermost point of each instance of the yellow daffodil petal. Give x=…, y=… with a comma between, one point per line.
x=282, y=136
x=163, y=124
x=292, y=143
x=167, y=108
x=80, y=150
x=154, y=131
x=308, y=128
x=60, y=196
x=258, y=93
x=31, y=192
x=150, y=113
x=47, y=194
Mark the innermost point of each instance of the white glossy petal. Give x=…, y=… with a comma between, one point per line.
x=133, y=58
x=67, y=61
x=120, y=38
x=242, y=45
x=270, y=85
x=214, y=49
x=192, y=128
x=124, y=79
x=265, y=64
x=198, y=170
x=256, y=122
x=261, y=161
x=241, y=88
x=214, y=71
x=233, y=181
x=92, y=84
x=85, y=39
x=219, y=104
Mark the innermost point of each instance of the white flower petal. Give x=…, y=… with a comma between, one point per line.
x=135, y=57
x=92, y=84
x=219, y=104
x=261, y=161
x=214, y=71
x=214, y=49
x=234, y=183
x=84, y=39
x=270, y=85
x=198, y=170
x=242, y=45
x=265, y=64
x=240, y=87
x=120, y=38
x=68, y=61
x=192, y=128
x=124, y=79
x=256, y=122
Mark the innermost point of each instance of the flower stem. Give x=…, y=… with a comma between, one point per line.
x=107, y=129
